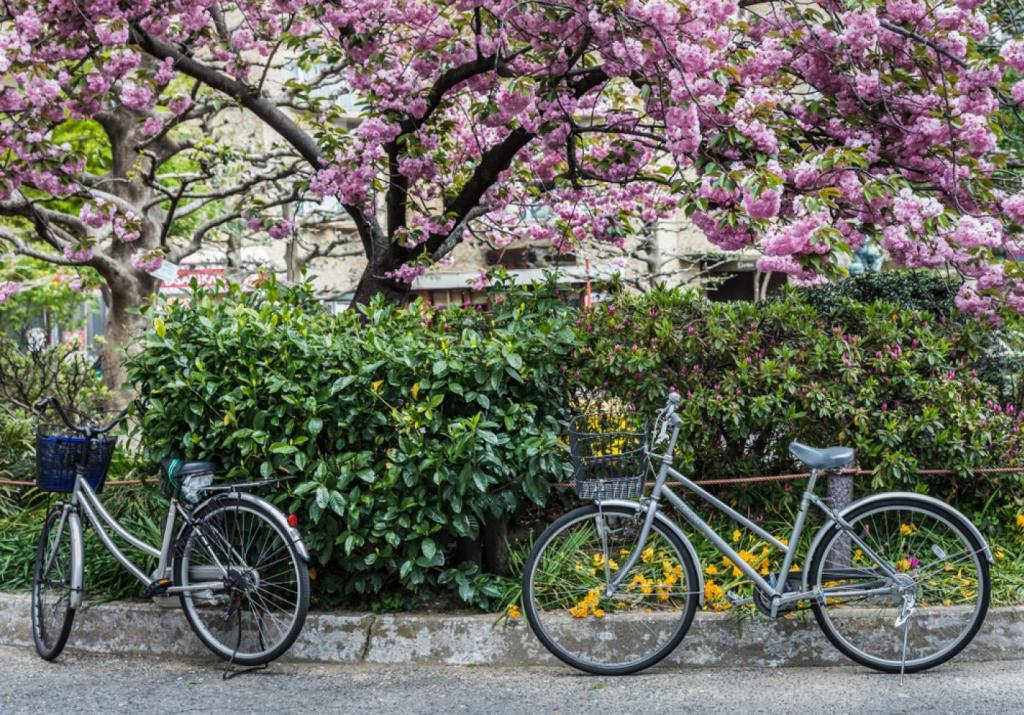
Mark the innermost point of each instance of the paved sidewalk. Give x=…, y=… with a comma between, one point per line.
x=85, y=683
x=716, y=639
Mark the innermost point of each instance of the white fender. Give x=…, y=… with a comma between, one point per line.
x=672, y=526
x=74, y=522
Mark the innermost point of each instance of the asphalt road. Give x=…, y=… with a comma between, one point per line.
x=82, y=683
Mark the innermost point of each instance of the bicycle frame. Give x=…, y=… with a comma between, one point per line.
x=84, y=500
x=775, y=590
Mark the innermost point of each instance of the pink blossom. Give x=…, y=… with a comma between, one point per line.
x=28, y=24
x=179, y=104
x=112, y=33
x=78, y=255
x=94, y=218
x=1013, y=53
x=166, y=72
x=151, y=127
x=283, y=229
x=764, y=206
x=147, y=261
x=137, y=97
x=1013, y=206
x=483, y=280
x=7, y=289
x=406, y=273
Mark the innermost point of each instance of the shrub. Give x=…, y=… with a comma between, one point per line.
x=27, y=376
x=404, y=427
x=910, y=289
x=892, y=383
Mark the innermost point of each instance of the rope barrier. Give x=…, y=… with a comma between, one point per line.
x=804, y=475
x=709, y=482
x=113, y=483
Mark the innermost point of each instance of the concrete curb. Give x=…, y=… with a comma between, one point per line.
x=127, y=628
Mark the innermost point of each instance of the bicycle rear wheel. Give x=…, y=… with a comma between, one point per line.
x=939, y=564
x=52, y=612
x=258, y=607
x=566, y=602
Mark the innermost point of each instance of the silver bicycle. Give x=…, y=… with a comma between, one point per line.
x=612, y=587
x=237, y=564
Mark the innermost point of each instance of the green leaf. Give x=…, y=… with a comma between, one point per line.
x=428, y=547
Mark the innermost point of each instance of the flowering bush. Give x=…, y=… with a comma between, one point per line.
x=898, y=385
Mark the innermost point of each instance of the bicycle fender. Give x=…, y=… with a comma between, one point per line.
x=291, y=531
x=962, y=520
x=672, y=526
x=77, y=559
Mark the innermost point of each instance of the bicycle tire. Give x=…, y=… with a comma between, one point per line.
x=223, y=521
x=901, y=509
x=50, y=639
x=537, y=618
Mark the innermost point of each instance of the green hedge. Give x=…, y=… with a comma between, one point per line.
x=911, y=289
x=406, y=427
x=409, y=428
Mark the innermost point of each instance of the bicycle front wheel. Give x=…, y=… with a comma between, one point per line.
x=565, y=591
x=259, y=594
x=939, y=567
x=52, y=612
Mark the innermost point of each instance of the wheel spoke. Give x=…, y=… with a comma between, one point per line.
x=935, y=565
x=265, y=574
x=565, y=592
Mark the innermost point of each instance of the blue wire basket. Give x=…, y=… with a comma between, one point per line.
x=57, y=455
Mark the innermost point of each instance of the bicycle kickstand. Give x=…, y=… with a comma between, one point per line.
x=903, y=619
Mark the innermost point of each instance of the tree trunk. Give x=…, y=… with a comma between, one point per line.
x=124, y=323
x=373, y=283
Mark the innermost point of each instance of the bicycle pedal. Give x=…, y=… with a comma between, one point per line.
x=155, y=588
x=736, y=600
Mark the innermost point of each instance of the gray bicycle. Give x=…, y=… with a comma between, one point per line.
x=612, y=587
x=237, y=564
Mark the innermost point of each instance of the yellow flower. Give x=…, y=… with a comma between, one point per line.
x=376, y=385
x=1020, y=522
x=647, y=555
x=903, y=565
x=712, y=591
x=415, y=390
x=711, y=570
x=907, y=529
x=736, y=535
x=1000, y=554
x=513, y=611
x=735, y=569
x=858, y=555
x=598, y=613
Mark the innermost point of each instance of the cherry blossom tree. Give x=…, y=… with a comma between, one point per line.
x=803, y=129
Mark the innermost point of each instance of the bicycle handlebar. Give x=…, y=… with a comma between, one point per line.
x=51, y=401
